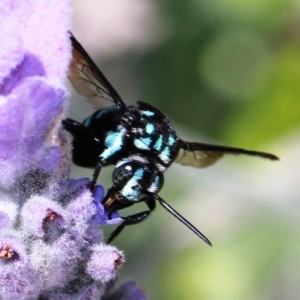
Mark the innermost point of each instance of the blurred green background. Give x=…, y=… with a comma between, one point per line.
x=225, y=72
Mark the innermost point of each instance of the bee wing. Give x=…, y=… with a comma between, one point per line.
x=201, y=155
x=89, y=81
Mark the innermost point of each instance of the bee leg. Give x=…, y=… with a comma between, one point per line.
x=76, y=129
x=85, y=138
x=96, y=174
x=133, y=219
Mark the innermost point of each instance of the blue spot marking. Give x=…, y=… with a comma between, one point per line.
x=149, y=128
x=171, y=140
x=148, y=113
x=139, y=173
x=157, y=180
x=146, y=141
x=100, y=114
x=158, y=143
x=129, y=191
x=112, y=139
x=142, y=143
x=133, y=196
x=87, y=121
x=113, y=143
x=158, y=183
x=165, y=155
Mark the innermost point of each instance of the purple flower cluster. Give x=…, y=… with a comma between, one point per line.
x=50, y=242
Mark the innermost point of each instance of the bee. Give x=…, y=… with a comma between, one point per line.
x=138, y=139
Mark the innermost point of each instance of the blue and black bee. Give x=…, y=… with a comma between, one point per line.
x=139, y=140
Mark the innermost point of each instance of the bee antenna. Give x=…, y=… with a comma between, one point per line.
x=178, y=216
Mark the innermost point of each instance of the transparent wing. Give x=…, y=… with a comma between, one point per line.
x=89, y=81
x=201, y=155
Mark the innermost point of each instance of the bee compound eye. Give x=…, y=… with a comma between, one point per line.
x=121, y=175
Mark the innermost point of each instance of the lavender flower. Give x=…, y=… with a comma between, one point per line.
x=50, y=243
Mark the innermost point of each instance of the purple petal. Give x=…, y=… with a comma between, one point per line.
x=101, y=217
x=22, y=140
x=30, y=66
x=44, y=27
